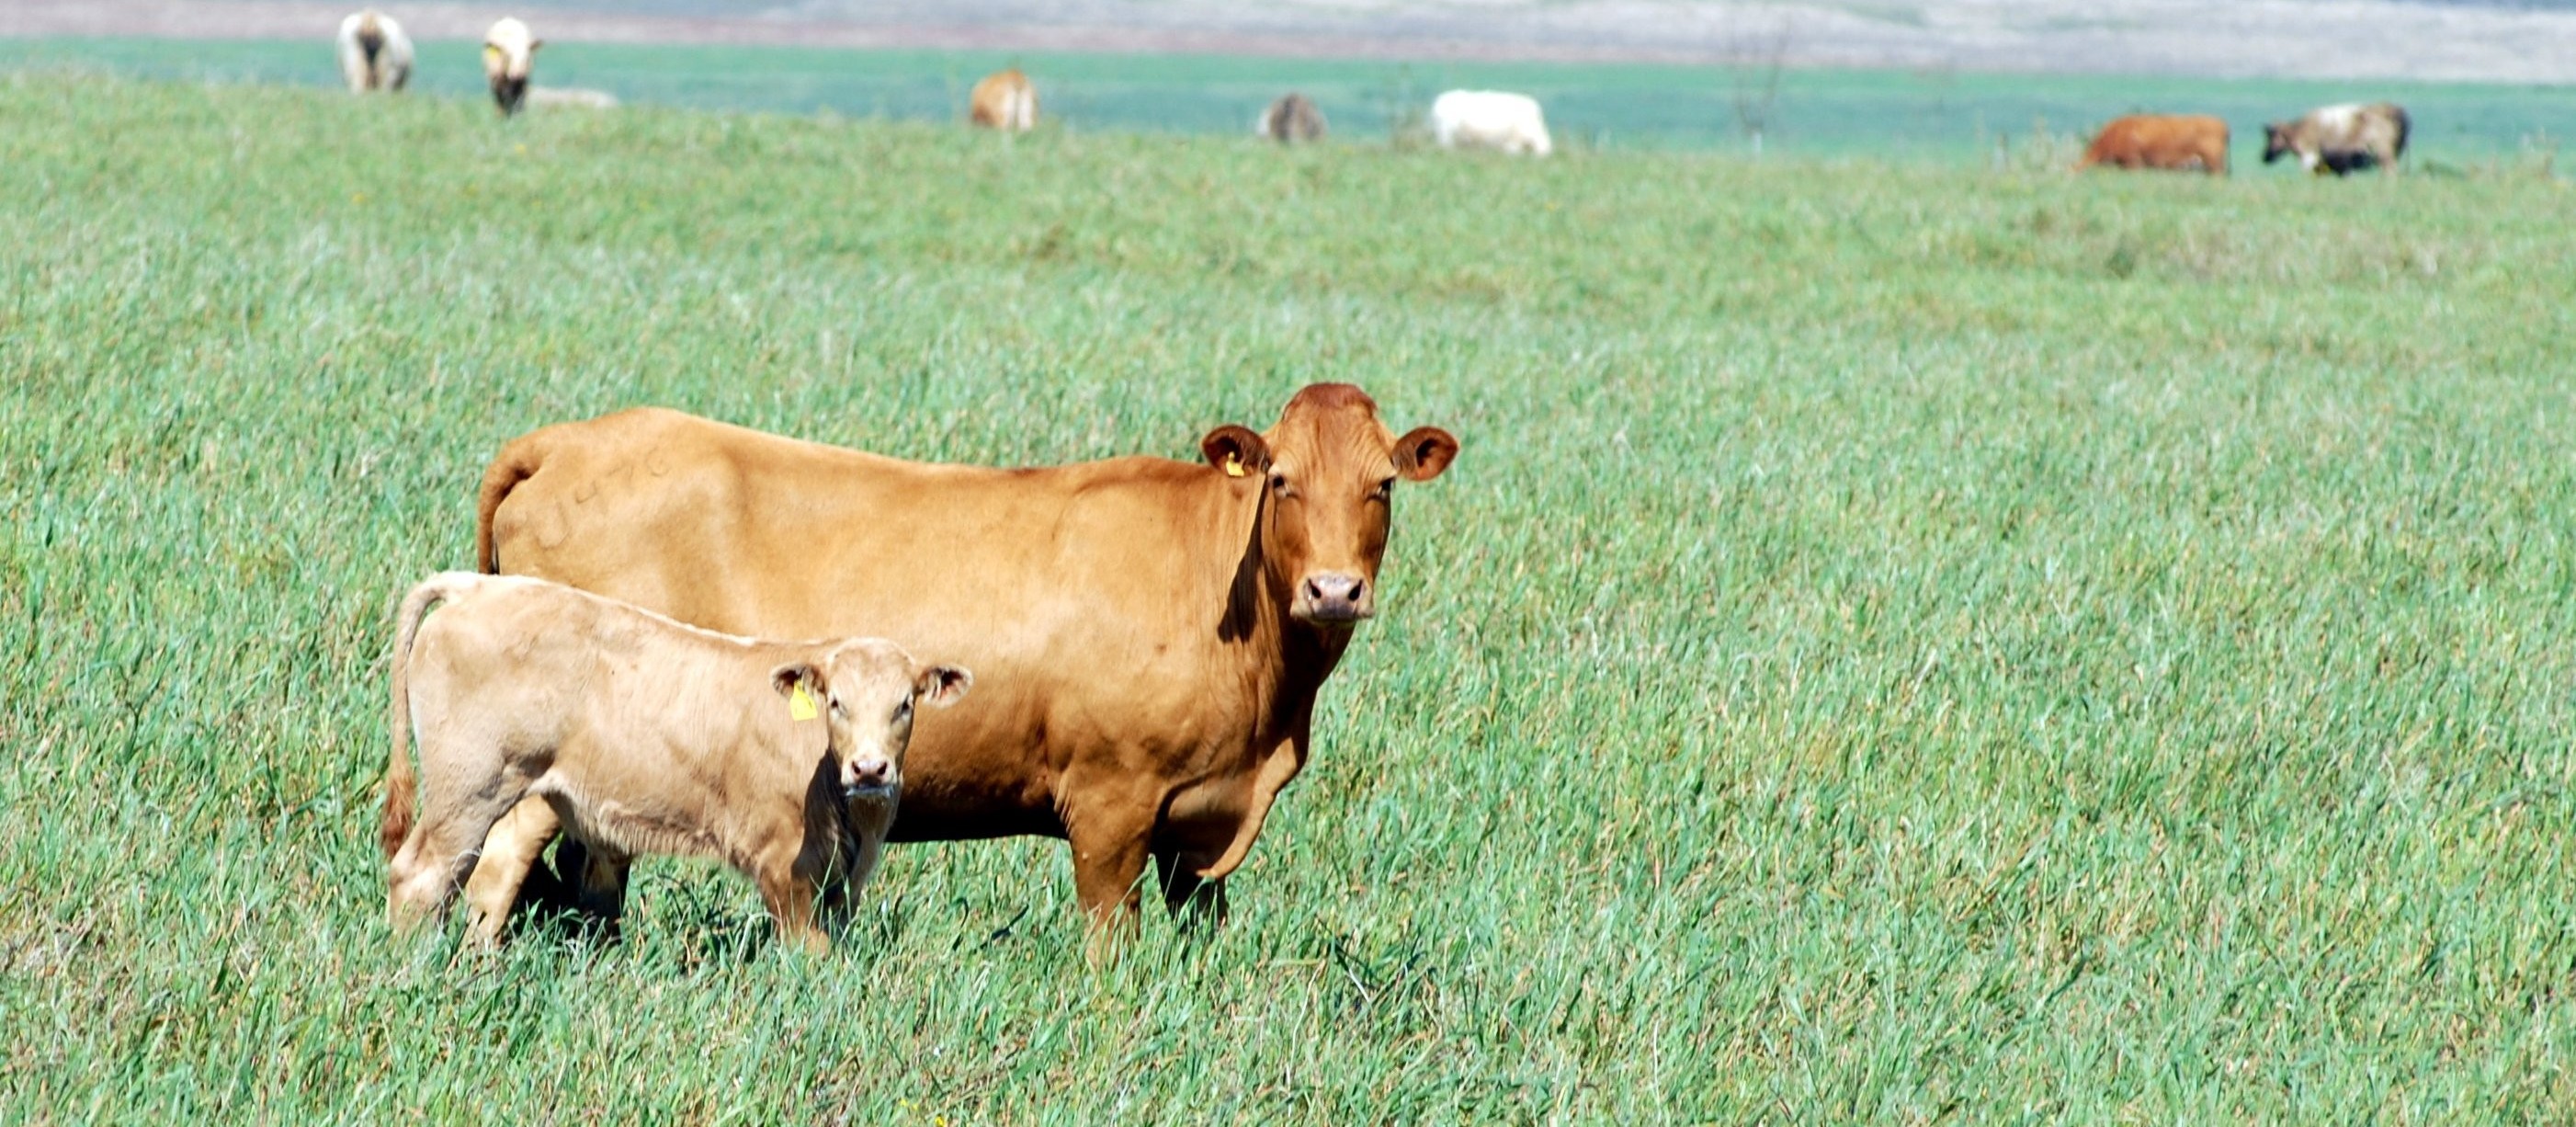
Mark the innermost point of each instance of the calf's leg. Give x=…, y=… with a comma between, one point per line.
x=510, y=850
x=442, y=848
x=789, y=895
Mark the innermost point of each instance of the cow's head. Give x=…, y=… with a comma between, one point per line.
x=2276, y=142
x=509, y=54
x=864, y=691
x=1327, y=470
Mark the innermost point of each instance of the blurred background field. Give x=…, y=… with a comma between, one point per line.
x=1935, y=114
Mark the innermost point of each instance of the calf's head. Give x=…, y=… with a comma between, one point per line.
x=509, y=53
x=1328, y=470
x=865, y=691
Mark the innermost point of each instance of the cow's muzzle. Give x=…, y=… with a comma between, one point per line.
x=867, y=778
x=1333, y=598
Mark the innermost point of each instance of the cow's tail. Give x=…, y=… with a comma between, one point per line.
x=400, y=783
x=2404, y=126
x=514, y=464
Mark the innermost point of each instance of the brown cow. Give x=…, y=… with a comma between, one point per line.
x=1149, y=635
x=2340, y=139
x=2176, y=142
x=1004, y=100
x=641, y=735
x=1291, y=119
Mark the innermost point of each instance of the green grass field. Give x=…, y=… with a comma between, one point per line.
x=1902, y=643
x=1915, y=115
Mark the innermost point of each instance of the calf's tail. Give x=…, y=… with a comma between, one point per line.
x=400, y=784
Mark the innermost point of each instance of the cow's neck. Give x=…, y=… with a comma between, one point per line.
x=1284, y=661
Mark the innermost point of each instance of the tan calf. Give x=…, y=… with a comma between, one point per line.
x=643, y=735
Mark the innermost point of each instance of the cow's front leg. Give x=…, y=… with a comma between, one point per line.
x=1197, y=902
x=1109, y=834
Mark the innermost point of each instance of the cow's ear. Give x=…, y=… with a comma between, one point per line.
x=1237, y=450
x=785, y=678
x=942, y=685
x=1423, y=452
x=533, y=44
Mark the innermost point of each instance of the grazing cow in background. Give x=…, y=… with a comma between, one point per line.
x=1291, y=119
x=1004, y=101
x=1148, y=636
x=374, y=52
x=642, y=735
x=2340, y=139
x=509, y=54
x=2174, y=142
x=1486, y=119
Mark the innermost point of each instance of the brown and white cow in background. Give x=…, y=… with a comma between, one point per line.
x=784, y=759
x=1148, y=636
x=374, y=52
x=2341, y=139
x=1291, y=119
x=509, y=56
x=2174, y=142
x=1004, y=100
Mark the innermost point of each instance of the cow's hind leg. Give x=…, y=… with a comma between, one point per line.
x=442, y=848
x=510, y=851
x=1195, y=901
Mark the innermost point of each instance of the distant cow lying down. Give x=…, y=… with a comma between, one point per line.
x=784, y=759
x=2180, y=143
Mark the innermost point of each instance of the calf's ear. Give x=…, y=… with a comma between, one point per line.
x=1237, y=450
x=785, y=678
x=1423, y=452
x=942, y=685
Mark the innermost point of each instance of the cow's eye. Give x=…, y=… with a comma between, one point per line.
x=1384, y=490
x=1279, y=485
x=903, y=710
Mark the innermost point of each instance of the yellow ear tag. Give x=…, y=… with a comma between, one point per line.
x=800, y=706
x=1233, y=466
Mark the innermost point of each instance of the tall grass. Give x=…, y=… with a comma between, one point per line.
x=1900, y=644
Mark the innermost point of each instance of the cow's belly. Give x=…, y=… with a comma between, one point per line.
x=1204, y=817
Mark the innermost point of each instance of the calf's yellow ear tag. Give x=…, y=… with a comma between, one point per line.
x=799, y=705
x=1233, y=466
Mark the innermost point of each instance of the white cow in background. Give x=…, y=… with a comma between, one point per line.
x=1490, y=119
x=509, y=53
x=374, y=52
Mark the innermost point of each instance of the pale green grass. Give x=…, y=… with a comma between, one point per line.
x=1900, y=644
